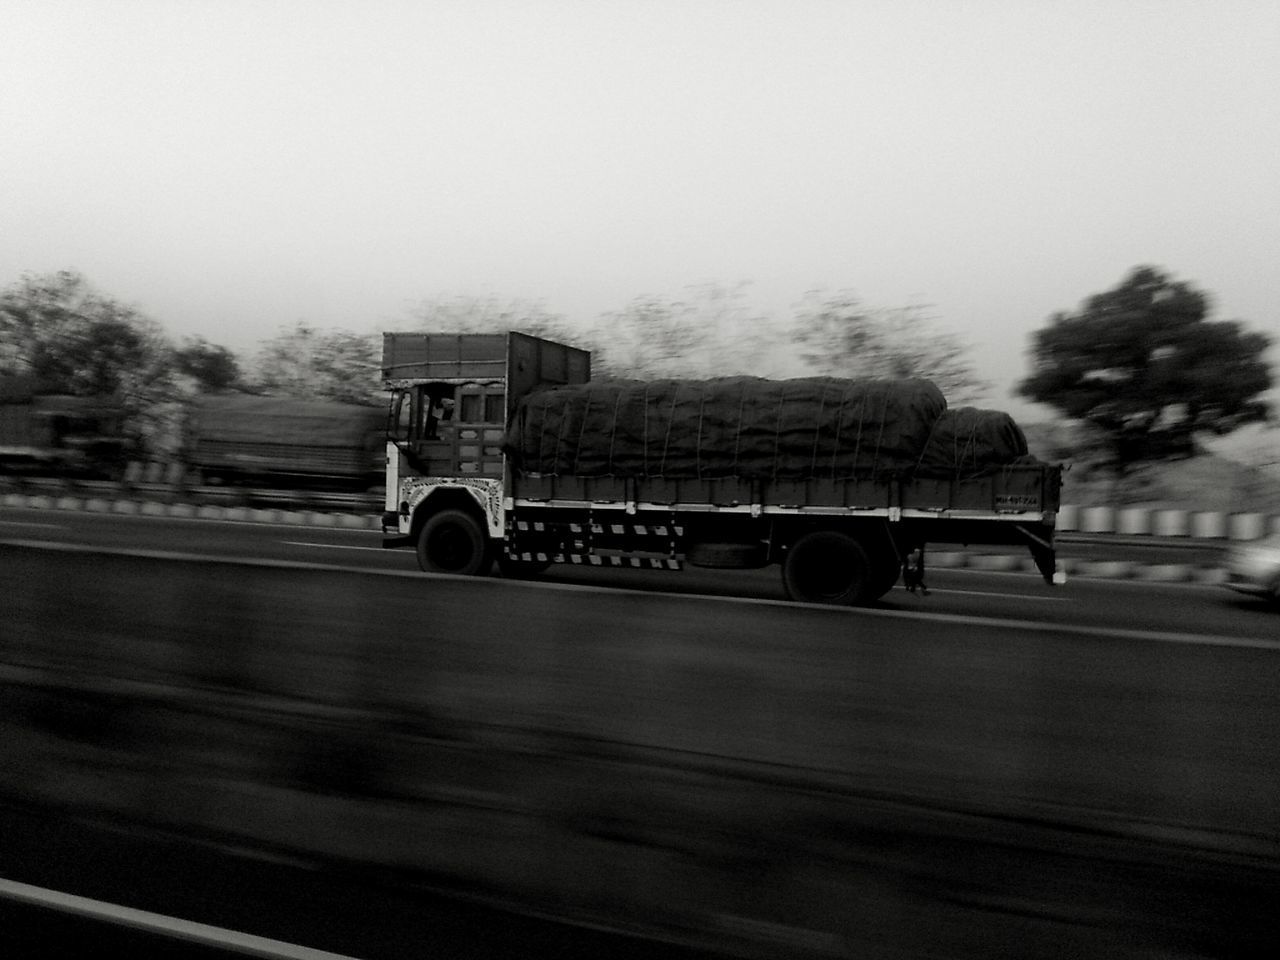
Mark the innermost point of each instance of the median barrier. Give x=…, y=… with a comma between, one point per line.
x=1071, y=518
x=1068, y=518
x=1098, y=520
x=1247, y=526
x=772, y=779
x=1208, y=525
x=1133, y=521
x=1172, y=523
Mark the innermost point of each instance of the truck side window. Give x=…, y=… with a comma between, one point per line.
x=439, y=411
x=495, y=408
x=470, y=408
x=401, y=424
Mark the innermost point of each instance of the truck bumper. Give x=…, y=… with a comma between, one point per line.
x=391, y=522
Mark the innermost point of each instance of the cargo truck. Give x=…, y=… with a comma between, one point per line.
x=242, y=438
x=50, y=433
x=500, y=448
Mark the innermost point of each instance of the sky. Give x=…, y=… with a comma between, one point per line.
x=230, y=168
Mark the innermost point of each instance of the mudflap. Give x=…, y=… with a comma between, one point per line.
x=913, y=571
x=1046, y=560
x=1044, y=555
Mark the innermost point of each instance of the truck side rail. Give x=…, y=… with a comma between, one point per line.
x=1016, y=493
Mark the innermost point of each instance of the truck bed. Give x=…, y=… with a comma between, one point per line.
x=1018, y=490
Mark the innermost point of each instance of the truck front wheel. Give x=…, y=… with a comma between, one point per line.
x=452, y=541
x=826, y=566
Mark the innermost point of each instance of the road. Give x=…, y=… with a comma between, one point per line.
x=1021, y=596
x=988, y=715
x=89, y=881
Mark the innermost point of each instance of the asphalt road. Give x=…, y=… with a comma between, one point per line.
x=1184, y=608
x=1110, y=689
x=300, y=907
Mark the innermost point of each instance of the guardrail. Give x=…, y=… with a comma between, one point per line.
x=368, y=502
x=1144, y=521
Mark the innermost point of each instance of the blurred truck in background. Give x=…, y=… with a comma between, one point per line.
x=501, y=448
x=43, y=432
x=282, y=441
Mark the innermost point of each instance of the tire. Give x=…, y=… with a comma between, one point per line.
x=452, y=541
x=828, y=567
x=885, y=573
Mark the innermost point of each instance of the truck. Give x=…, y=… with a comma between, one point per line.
x=501, y=448
x=43, y=432
x=237, y=437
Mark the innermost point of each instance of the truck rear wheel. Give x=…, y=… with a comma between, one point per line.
x=826, y=566
x=452, y=541
x=886, y=570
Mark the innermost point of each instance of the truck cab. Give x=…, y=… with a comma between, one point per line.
x=451, y=397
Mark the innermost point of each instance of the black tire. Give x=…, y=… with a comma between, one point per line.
x=453, y=541
x=885, y=573
x=826, y=566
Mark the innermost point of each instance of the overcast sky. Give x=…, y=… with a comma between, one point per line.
x=232, y=167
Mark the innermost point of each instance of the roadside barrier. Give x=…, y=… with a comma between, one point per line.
x=169, y=483
x=66, y=494
x=1158, y=522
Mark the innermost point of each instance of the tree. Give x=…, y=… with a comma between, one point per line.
x=841, y=337
x=468, y=314
x=312, y=365
x=1145, y=370
x=710, y=332
x=74, y=340
x=213, y=367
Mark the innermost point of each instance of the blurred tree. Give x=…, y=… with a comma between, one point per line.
x=213, y=367
x=468, y=314
x=710, y=332
x=841, y=337
x=307, y=363
x=74, y=340
x=1141, y=366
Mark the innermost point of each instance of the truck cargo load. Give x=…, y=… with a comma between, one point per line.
x=240, y=435
x=967, y=442
x=58, y=432
x=748, y=427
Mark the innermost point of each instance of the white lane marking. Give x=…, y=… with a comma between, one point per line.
x=1003, y=596
x=1030, y=626
x=331, y=546
x=32, y=523
x=188, y=930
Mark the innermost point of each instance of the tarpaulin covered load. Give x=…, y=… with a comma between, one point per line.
x=238, y=435
x=748, y=427
x=251, y=419
x=968, y=442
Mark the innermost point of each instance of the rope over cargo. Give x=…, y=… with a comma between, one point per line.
x=806, y=428
x=967, y=442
